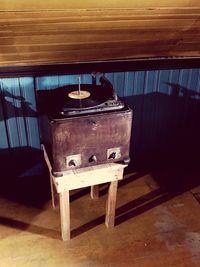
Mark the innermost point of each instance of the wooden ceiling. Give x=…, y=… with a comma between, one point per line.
x=54, y=32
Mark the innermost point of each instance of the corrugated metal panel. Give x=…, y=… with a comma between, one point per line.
x=19, y=137
x=18, y=113
x=166, y=112
x=52, y=82
x=165, y=104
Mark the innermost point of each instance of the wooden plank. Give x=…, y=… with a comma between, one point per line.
x=18, y=18
x=81, y=34
x=100, y=26
x=79, y=55
x=65, y=44
x=89, y=176
x=62, y=4
x=65, y=214
x=120, y=30
x=96, y=15
x=110, y=205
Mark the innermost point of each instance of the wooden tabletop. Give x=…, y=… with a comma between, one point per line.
x=53, y=32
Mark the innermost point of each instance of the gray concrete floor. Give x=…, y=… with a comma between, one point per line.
x=154, y=228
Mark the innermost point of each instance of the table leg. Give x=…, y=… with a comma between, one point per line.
x=94, y=192
x=65, y=214
x=54, y=194
x=110, y=205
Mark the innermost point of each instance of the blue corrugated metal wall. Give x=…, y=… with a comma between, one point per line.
x=18, y=117
x=162, y=100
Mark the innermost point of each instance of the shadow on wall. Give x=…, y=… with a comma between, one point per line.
x=166, y=136
x=20, y=167
x=9, y=110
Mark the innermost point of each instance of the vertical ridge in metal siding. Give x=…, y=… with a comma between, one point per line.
x=10, y=112
x=192, y=96
x=119, y=83
x=129, y=84
x=4, y=141
x=147, y=118
x=85, y=78
x=198, y=83
x=30, y=111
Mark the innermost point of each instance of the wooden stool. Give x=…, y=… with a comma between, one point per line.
x=89, y=176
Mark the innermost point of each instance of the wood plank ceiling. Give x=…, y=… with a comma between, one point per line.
x=53, y=32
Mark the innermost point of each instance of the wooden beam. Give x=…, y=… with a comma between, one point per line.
x=59, y=32
x=79, y=4
x=89, y=176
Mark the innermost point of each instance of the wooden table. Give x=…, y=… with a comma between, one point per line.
x=79, y=178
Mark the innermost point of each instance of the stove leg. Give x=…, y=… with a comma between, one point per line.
x=110, y=205
x=65, y=214
x=94, y=192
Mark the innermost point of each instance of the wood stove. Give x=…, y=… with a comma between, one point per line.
x=84, y=125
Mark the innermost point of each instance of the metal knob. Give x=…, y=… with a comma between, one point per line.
x=127, y=160
x=93, y=158
x=72, y=163
x=112, y=155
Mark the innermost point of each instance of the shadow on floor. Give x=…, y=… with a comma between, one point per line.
x=20, y=191
x=17, y=182
x=129, y=210
x=133, y=208
x=34, y=229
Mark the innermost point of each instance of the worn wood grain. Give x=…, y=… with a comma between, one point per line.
x=52, y=32
x=53, y=4
x=110, y=205
x=65, y=214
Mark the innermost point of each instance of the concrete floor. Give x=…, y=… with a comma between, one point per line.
x=154, y=228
